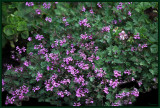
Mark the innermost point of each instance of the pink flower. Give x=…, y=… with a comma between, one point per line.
x=129, y=13
x=117, y=73
x=99, y=5
x=123, y=35
x=137, y=36
x=83, y=9
x=29, y=38
x=91, y=11
x=106, y=90
x=106, y=29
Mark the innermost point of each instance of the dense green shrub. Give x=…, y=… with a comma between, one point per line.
x=80, y=52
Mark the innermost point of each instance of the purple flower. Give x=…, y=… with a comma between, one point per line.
x=66, y=23
x=38, y=11
x=129, y=13
x=56, y=2
x=99, y=5
x=113, y=84
x=48, y=19
x=127, y=72
x=46, y=6
x=39, y=75
x=36, y=88
x=117, y=73
x=60, y=93
x=77, y=104
x=26, y=63
x=119, y=6
x=106, y=29
x=135, y=92
x=91, y=11
x=39, y=37
x=64, y=19
x=83, y=9
x=137, y=36
x=144, y=45
x=106, y=90
x=29, y=3
x=29, y=38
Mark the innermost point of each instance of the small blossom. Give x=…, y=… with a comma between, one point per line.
x=137, y=36
x=38, y=11
x=91, y=11
x=99, y=5
x=83, y=9
x=129, y=13
x=29, y=38
x=29, y=3
x=123, y=35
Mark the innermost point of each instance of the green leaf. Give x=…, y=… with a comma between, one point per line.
x=91, y=79
x=9, y=30
x=154, y=48
x=22, y=26
x=25, y=34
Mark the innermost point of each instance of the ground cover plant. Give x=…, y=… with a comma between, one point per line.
x=80, y=53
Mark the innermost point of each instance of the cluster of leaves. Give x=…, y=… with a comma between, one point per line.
x=109, y=50
x=13, y=24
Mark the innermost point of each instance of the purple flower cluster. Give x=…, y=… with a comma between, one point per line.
x=27, y=63
x=122, y=95
x=142, y=46
x=65, y=81
x=62, y=41
x=9, y=100
x=85, y=36
x=84, y=23
x=39, y=76
x=20, y=92
x=38, y=11
x=127, y=72
x=135, y=92
x=106, y=90
x=117, y=73
x=82, y=65
x=80, y=80
x=67, y=60
x=48, y=19
x=89, y=101
x=64, y=20
x=113, y=84
x=23, y=49
x=36, y=88
x=51, y=83
x=46, y=6
x=39, y=37
x=29, y=4
x=137, y=36
x=77, y=104
x=18, y=69
x=100, y=72
x=80, y=92
x=119, y=6
x=106, y=29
